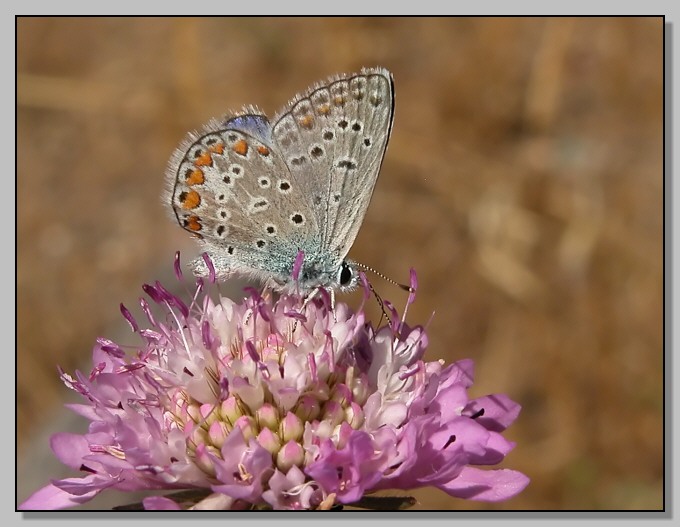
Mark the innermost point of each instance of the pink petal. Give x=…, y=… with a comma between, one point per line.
x=70, y=448
x=499, y=411
x=52, y=498
x=85, y=485
x=486, y=485
x=460, y=372
x=450, y=401
x=84, y=410
x=496, y=448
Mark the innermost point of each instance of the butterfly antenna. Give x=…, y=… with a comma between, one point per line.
x=381, y=304
x=405, y=287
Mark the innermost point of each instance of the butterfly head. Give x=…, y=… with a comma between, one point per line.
x=313, y=275
x=304, y=275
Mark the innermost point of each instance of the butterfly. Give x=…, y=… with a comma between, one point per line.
x=258, y=194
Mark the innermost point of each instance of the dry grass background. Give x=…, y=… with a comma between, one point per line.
x=523, y=181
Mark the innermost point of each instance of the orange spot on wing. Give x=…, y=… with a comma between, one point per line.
x=195, y=177
x=190, y=200
x=217, y=148
x=324, y=109
x=306, y=121
x=263, y=150
x=240, y=147
x=204, y=160
x=338, y=100
x=193, y=223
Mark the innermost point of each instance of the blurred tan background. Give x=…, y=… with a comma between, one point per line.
x=523, y=181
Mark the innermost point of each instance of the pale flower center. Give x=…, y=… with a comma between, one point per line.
x=322, y=406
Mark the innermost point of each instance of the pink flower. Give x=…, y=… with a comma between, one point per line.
x=283, y=404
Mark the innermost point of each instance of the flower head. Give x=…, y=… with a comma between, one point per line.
x=283, y=404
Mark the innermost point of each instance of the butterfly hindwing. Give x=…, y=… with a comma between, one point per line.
x=231, y=189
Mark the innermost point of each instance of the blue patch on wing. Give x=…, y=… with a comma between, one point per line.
x=256, y=126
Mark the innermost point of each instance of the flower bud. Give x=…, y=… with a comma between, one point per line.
x=360, y=389
x=341, y=394
x=290, y=454
x=291, y=428
x=267, y=417
x=208, y=414
x=333, y=413
x=218, y=432
x=354, y=415
x=308, y=408
x=199, y=436
x=269, y=440
x=194, y=412
x=231, y=409
x=247, y=426
x=203, y=460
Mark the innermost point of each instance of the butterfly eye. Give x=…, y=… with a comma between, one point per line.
x=346, y=275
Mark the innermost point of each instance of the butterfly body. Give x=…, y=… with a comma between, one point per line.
x=257, y=192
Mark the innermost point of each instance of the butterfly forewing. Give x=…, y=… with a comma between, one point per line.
x=334, y=138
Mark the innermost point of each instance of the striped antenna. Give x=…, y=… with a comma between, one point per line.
x=393, y=282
